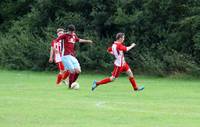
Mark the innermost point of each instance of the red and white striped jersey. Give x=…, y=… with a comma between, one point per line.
x=59, y=47
x=118, y=50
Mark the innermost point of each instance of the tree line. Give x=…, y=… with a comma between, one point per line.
x=167, y=33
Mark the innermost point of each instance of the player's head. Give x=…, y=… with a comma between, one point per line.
x=60, y=31
x=71, y=28
x=120, y=37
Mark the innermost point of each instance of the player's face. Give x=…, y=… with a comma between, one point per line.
x=122, y=39
x=60, y=33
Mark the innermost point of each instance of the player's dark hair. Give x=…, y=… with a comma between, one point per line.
x=119, y=35
x=71, y=27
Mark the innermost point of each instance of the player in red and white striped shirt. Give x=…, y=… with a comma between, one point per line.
x=120, y=64
x=57, y=52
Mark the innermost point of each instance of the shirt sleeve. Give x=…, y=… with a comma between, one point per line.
x=61, y=37
x=122, y=48
x=76, y=39
x=109, y=50
x=52, y=43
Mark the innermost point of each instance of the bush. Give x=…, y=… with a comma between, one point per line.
x=23, y=51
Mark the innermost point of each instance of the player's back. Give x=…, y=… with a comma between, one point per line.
x=69, y=44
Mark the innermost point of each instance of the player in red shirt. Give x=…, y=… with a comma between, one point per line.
x=69, y=59
x=57, y=53
x=120, y=64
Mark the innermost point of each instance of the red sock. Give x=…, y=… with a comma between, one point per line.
x=104, y=81
x=75, y=77
x=59, y=78
x=71, y=79
x=134, y=85
x=65, y=75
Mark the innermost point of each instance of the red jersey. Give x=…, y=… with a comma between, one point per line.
x=69, y=41
x=118, y=50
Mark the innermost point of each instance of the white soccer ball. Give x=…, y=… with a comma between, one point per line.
x=75, y=86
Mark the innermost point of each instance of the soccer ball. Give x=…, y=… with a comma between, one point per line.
x=75, y=86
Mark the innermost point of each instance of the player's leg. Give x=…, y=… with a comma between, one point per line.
x=132, y=79
x=65, y=74
x=71, y=78
x=105, y=81
x=68, y=64
x=76, y=74
x=102, y=82
x=65, y=77
x=77, y=69
x=60, y=75
x=74, y=67
x=115, y=74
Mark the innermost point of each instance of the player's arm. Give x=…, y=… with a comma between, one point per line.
x=55, y=50
x=109, y=50
x=124, y=48
x=131, y=46
x=85, y=41
x=51, y=55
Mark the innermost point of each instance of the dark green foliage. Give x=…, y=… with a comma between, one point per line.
x=167, y=33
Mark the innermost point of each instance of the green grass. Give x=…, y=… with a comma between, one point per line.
x=31, y=99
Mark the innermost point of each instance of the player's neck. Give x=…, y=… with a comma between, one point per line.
x=71, y=32
x=118, y=42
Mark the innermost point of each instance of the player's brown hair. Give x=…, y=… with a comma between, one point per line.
x=71, y=27
x=119, y=35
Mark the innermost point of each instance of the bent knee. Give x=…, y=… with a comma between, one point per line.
x=112, y=78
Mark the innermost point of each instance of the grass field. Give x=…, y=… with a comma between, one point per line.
x=31, y=99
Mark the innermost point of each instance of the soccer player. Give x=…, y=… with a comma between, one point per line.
x=69, y=59
x=120, y=64
x=57, y=53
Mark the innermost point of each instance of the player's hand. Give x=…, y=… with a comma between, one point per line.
x=90, y=41
x=50, y=60
x=56, y=51
x=133, y=44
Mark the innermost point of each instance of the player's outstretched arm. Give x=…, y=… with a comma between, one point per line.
x=85, y=41
x=125, y=48
x=131, y=46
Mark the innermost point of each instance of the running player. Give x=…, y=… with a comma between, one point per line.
x=57, y=53
x=120, y=65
